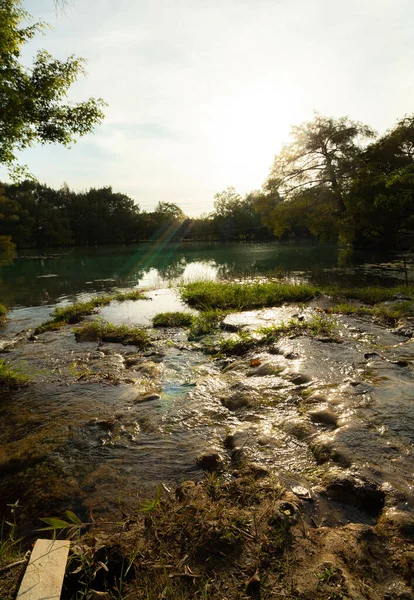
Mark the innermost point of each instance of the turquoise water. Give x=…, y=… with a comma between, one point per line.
x=37, y=277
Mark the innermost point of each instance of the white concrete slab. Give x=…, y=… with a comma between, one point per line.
x=44, y=575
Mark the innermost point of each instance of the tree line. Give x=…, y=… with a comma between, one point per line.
x=35, y=215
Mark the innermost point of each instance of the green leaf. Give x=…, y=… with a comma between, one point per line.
x=73, y=518
x=54, y=523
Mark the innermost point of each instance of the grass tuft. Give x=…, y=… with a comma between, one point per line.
x=207, y=295
x=105, y=332
x=3, y=314
x=173, y=319
x=73, y=313
x=131, y=295
x=11, y=378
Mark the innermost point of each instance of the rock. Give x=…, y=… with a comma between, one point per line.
x=273, y=350
x=299, y=379
x=210, y=461
x=236, y=365
x=354, y=489
x=149, y=369
x=106, y=424
x=298, y=428
x=302, y=492
x=399, y=363
x=324, y=450
x=238, y=438
x=258, y=471
x=146, y=398
x=292, y=355
x=96, y=355
x=394, y=520
x=369, y=355
x=323, y=416
x=264, y=370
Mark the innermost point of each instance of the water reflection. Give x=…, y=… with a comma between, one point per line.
x=36, y=277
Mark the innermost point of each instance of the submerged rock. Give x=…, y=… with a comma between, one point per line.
x=354, y=489
x=210, y=461
x=324, y=416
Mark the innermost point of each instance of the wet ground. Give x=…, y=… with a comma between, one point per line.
x=104, y=424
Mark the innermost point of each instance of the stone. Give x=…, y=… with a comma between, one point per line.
x=323, y=416
x=210, y=461
x=264, y=370
x=299, y=379
x=146, y=398
x=238, y=438
x=355, y=490
x=258, y=471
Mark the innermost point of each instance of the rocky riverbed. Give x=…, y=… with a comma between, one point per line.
x=331, y=416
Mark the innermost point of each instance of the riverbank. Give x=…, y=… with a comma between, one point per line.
x=293, y=426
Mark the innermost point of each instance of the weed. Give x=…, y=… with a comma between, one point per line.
x=3, y=314
x=11, y=378
x=10, y=544
x=99, y=330
x=73, y=313
x=173, y=319
x=131, y=295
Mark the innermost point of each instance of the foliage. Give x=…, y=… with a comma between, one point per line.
x=32, y=98
x=173, y=319
x=211, y=294
x=101, y=331
x=3, y=313
x=73, y=313
x=11, y=378
x=131, y=295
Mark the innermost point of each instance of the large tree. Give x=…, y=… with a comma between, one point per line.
x=323, y=155
x=33, y=106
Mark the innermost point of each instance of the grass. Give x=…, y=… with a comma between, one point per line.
x=184, y=545
x=99, y=330
x=244, y=341
x=206, y=295
x=206, y=322
x=3, y=314
x=387, y=313
x=173, y=319
x=11, y=378
x=371, y=294
x=73, y=313
x=131, y=295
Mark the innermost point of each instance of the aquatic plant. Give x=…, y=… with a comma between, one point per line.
x=131, y=295
x=206, y=295
x=99, y=330
x=173, y=319
x=10, y=377
x=3, y=313
x=72, y=314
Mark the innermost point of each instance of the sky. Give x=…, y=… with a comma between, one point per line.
x=202, y=93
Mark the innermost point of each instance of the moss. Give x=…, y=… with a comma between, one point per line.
x=73, y=313
x=105, y=332
x=11, y=378
x=173, y=319
x=3, y=314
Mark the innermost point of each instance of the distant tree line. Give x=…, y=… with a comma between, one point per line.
x=335, y=181
x=35, y=215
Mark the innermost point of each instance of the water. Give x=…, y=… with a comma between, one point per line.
x=38, y=277
x=101, y=424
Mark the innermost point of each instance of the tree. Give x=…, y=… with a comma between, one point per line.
x=323, y=155
x=32, y=100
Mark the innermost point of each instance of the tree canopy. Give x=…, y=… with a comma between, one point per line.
x=32, y=100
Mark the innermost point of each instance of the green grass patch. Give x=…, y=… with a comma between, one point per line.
x=317, y=326
x=173, y=319
x=371, y=294
x=206, y=322
x=73, y=313
x=99, y=330
x=206, y=295
x=131, y=295
x=389, y=313
x=3, y=313
x=10, y=377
